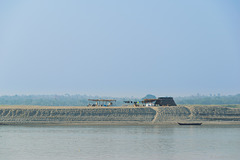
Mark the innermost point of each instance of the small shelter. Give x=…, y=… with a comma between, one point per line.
x=101, y=102
x=134, y=103
x=165, y=101
x=149, y=102
x=161, y=101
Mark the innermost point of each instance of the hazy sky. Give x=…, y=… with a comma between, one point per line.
x=120, y=48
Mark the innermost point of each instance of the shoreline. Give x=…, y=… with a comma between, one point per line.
x=110, y=123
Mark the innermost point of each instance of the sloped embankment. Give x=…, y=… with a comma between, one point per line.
x=76, y=114
x=213, y=113
x=139, y=115
x=196, y=113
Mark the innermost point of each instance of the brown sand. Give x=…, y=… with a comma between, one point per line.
x=122, y=115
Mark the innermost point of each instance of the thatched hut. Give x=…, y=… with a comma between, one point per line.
x=165, y=101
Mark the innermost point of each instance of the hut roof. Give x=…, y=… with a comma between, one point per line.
x=148, y=100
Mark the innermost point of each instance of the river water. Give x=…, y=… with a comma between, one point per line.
x=169, y=142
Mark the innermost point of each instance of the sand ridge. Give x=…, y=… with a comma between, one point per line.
x=130, y=115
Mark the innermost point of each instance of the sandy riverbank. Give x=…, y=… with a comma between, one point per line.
x=124, y=115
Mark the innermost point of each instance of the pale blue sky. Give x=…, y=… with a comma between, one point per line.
x=120, y=48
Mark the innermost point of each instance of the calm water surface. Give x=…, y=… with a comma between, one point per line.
x=171, y=142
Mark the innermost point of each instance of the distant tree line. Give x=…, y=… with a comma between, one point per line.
x=82, y=100
x=57, y=100
x=209, y=100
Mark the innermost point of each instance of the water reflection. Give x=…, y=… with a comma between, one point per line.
x=119, y=142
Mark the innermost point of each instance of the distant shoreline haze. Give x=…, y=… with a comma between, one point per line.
x=82, y=100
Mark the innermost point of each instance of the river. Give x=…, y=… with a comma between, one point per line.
x=169, y=142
